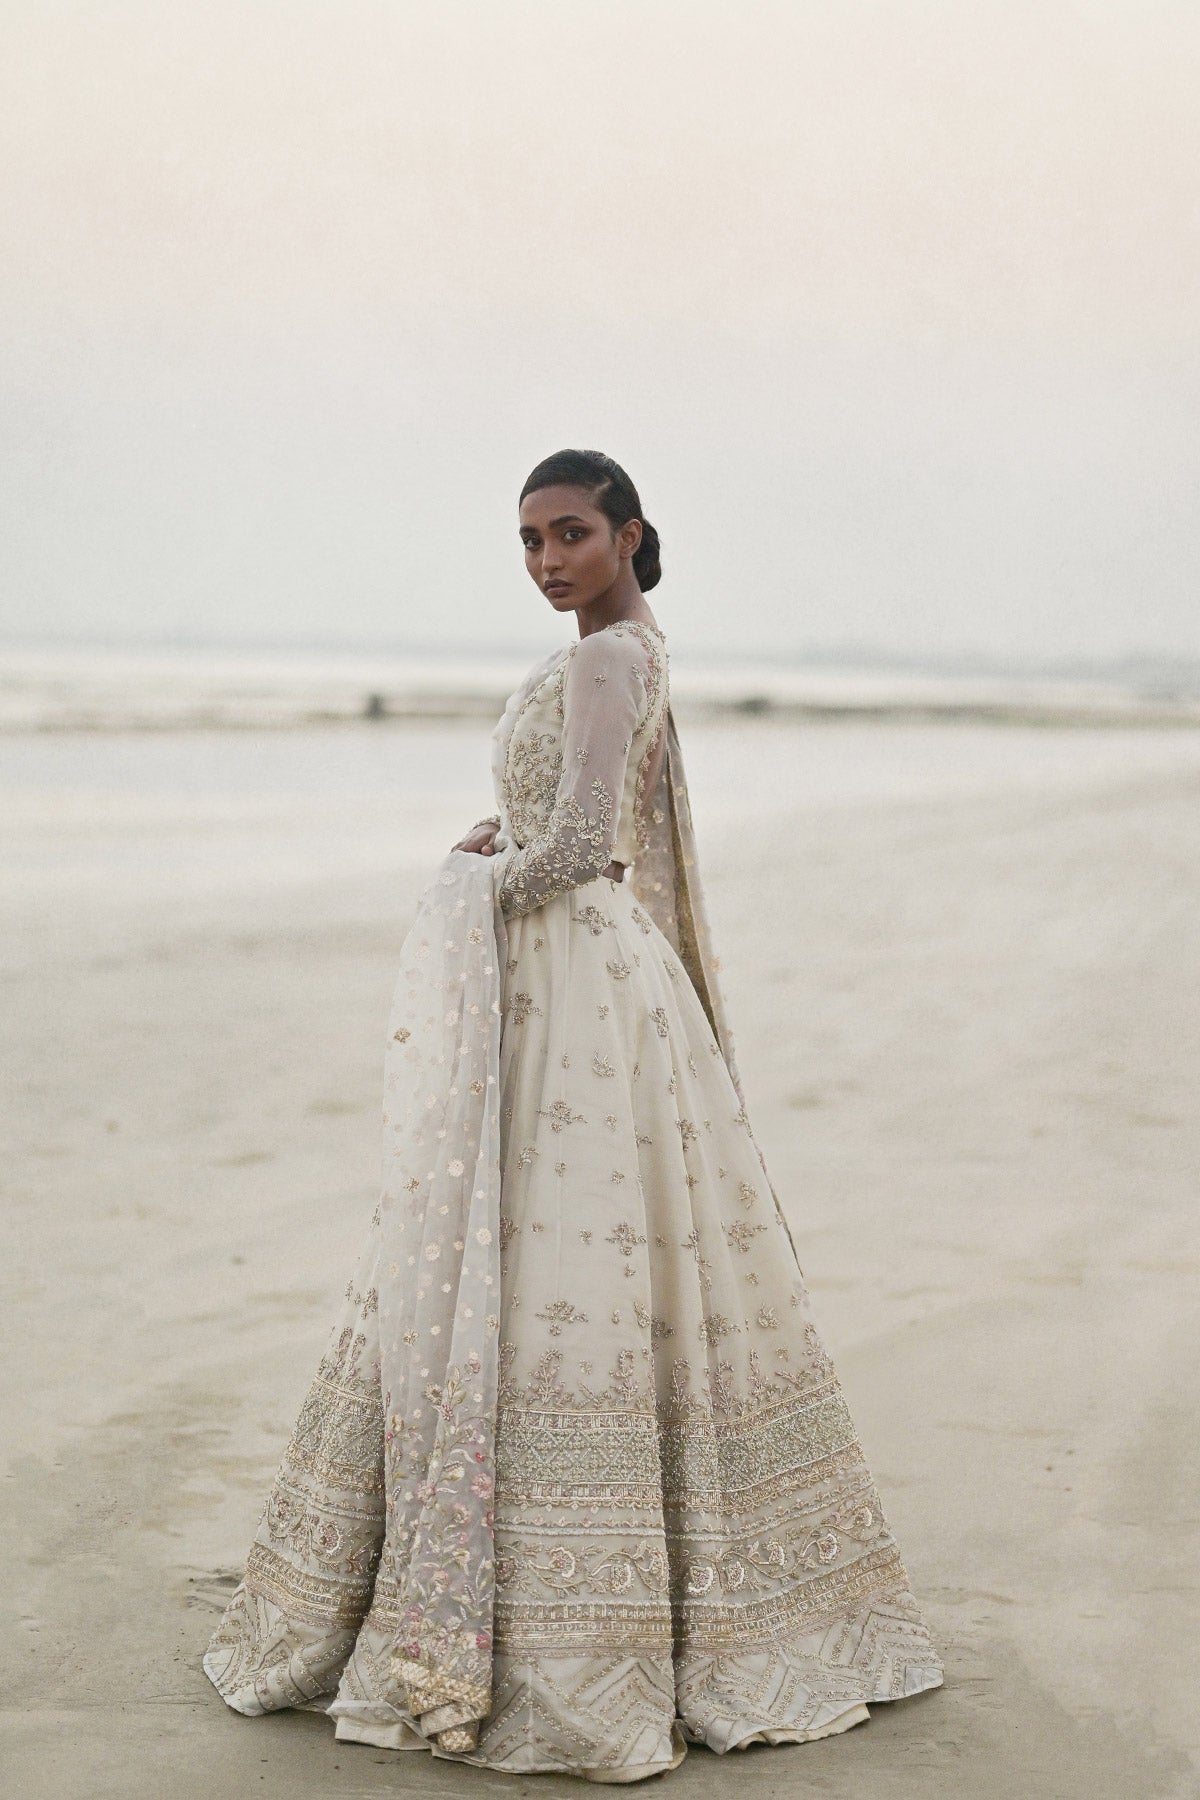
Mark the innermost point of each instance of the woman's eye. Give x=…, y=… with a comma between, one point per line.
x=573, y=531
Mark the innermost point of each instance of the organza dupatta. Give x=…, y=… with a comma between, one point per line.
x=439, y=1296
x=666, y=882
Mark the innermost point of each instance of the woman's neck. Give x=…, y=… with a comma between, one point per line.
x=624, y=600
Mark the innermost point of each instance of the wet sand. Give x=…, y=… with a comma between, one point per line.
x=969, y=1032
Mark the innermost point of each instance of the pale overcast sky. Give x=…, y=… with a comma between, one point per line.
x=892, y=311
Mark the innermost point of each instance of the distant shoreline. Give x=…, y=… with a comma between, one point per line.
x=94, y=689
x=379, y=713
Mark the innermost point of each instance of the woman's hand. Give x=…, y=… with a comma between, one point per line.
x=480, y=838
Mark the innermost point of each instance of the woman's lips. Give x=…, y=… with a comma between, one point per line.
x=557, y=587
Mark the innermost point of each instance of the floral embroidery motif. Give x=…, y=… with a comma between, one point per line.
x=625, y=1237
x=658, y=1328
x=367, y=1303
x=560, y=1313
x=714, y=1327
x=703, y=1264
x=521, y=1006
x=594, y=918
x=559, y=1114
x=740, y=1235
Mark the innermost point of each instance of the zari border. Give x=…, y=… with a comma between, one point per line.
x=526, y=1628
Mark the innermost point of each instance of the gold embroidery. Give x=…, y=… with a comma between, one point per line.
x=594, y=919
x=714, y=1326
x=559, y=1114
x=560, y=1313
x=741, y=1235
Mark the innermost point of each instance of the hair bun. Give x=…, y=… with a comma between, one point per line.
x=647, y=560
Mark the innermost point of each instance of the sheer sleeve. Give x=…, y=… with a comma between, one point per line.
x=605, y=698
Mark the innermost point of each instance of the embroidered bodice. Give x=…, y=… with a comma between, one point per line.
x=575, y=757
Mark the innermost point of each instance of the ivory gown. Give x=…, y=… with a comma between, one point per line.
x=576, y=1483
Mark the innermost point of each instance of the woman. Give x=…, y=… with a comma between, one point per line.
x=575, y=1484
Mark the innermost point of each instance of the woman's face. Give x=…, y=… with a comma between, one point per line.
x=571, y=550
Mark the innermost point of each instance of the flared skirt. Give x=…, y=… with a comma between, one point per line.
x=688, y=1544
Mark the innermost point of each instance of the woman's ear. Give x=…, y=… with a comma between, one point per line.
x=629, y=537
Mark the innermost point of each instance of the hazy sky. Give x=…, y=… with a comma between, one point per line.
x=892, y=311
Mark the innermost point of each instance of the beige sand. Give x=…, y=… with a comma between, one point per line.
x=970, y=1036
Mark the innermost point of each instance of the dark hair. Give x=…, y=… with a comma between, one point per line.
x=612, y=492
